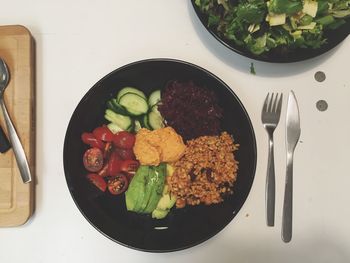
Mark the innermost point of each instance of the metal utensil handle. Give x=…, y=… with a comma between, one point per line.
x=16, y=145
x=270, y=186
x=288, y=202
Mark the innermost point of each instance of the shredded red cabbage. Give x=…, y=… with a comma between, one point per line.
x=191, y=110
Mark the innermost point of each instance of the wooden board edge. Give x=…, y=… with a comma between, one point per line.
x=25, y=212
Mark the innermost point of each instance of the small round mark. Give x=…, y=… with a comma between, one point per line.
x=322, y=105
x=320, y=76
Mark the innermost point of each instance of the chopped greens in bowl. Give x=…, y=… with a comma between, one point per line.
x=260, y=26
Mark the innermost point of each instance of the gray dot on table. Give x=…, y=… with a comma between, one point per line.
x=320, y=76
x=322, y=105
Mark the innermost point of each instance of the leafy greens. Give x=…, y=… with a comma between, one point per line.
x=261, y=25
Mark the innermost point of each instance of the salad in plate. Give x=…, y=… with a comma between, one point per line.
x=261, y=26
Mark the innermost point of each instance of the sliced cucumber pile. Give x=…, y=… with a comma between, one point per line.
x=131, y=111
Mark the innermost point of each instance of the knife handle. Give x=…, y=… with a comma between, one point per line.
x=288, y=202
x=4, y=142
x=270, y=185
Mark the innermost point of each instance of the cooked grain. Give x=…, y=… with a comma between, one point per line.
x=206, y=172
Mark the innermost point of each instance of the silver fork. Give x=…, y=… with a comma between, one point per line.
x=270, y=117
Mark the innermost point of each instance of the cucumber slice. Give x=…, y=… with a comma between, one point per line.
x=155, y=120
x=154, y=98
x=134, y=104
x=125, y=90
x=155, y=109
x=131, y=128
x=137, y=125
x=122, y=121
x=116, y=107
x=114, y=128
x=145, y=122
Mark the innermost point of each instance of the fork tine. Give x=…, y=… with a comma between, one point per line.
x=279, y=105
x=271, y=102
x=265, y=103
x=275, y=103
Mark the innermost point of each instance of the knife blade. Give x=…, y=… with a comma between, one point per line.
x=4, y=142
x=293, y=131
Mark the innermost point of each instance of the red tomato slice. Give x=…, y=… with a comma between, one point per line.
x=126, y=154
x=114, y=164
x=93, y=159
x=98, y=181
x=118, y=184
x=89, y=138
x=104, y=171
x=124, y=140
x=129, y=166
x=103, y=133
x=129, y=176
x=107, y=150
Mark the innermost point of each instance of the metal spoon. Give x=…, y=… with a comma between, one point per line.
x=15, y=142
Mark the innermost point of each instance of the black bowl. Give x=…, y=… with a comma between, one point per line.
x=182, y=228
x=334, y=37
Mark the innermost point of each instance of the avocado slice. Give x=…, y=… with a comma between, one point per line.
x=149, y=187
x=135, y=195
x=167, y=201
x=159, y=214
x=156, y=183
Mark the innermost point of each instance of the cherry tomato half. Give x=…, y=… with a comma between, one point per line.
x=126, y=154
x=104, y=171
x=98, y=181
x=103, y=133
x=89, y=138
x=124, y=140
x=93, y=159
x=129, y=166
x=114, y=164
x=118, y=184
x=107, y=150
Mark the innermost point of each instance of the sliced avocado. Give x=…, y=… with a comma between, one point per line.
x=149, y=188
x=165, y=189
x=135, y=195
x=169, y=170
x=158, y=180
x=166, y=202
x=159, y=214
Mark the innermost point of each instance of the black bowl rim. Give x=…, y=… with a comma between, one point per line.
x=247, y=54
x=171, y=60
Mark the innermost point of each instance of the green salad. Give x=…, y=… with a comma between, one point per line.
x=261, y=26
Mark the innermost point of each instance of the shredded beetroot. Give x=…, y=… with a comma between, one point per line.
x=191, y=110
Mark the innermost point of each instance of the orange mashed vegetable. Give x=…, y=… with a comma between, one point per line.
x=162, y=145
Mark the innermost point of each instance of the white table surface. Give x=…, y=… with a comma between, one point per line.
x=78, y=42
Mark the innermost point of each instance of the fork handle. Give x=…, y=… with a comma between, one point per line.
x=270, y=186
x=288, y=202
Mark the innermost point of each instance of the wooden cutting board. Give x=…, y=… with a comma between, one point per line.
x=17, y=198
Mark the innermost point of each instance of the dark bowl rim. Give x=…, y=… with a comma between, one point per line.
x=171, y=60
x=247, y=54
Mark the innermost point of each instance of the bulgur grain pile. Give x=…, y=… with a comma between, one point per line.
x=206, y=172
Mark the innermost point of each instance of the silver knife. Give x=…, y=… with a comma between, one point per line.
x=292, y=138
